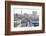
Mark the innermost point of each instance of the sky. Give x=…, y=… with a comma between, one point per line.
x=25, y=10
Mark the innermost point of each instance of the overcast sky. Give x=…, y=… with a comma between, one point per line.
x=25, y=10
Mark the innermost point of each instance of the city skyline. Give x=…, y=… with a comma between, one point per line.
x=26, y=20
x=28, y=11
